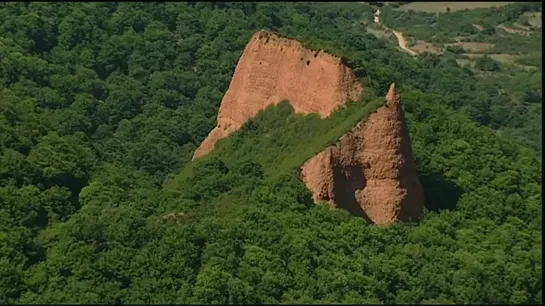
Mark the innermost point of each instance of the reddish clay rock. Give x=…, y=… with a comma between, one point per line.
x=273, y=69
x=370, y=171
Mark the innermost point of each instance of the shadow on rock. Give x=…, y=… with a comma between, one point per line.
x=348, y=180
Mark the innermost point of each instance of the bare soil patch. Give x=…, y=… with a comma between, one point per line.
x=514, y=30
x=478, y=27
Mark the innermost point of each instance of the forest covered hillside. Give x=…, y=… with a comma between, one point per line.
x=501, y=45
x=103, y=104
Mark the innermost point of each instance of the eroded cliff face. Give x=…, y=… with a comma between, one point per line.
x=371, y=170
x=273, y=69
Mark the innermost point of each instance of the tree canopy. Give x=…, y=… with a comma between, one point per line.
x=103, y=104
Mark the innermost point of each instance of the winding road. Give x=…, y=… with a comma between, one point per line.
x=400, y=39
x=402, y=43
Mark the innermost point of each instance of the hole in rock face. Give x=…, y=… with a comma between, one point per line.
x=308, y=63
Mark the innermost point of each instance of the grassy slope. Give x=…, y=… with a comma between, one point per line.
x=281, y=140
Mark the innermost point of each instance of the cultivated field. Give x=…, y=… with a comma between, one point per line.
x=439, y=7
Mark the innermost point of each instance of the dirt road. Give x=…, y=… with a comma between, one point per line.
x=402, y=43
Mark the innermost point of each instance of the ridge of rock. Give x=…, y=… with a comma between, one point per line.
x=370, y=171
x=272, y=69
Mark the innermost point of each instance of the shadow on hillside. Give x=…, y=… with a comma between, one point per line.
x=440, y=193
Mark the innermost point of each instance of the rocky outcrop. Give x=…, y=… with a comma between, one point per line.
x=370, y=171
x=273, y=69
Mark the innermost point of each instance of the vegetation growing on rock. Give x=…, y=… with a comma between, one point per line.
x=101, y=104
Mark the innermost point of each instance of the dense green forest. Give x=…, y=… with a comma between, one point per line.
x=103, y=104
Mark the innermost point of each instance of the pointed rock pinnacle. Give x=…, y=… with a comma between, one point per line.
x=392, y=97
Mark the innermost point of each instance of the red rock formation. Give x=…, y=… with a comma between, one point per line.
x=272, y=69
x=371, y=170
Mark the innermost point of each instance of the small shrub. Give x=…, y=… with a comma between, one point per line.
x=486, y=63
